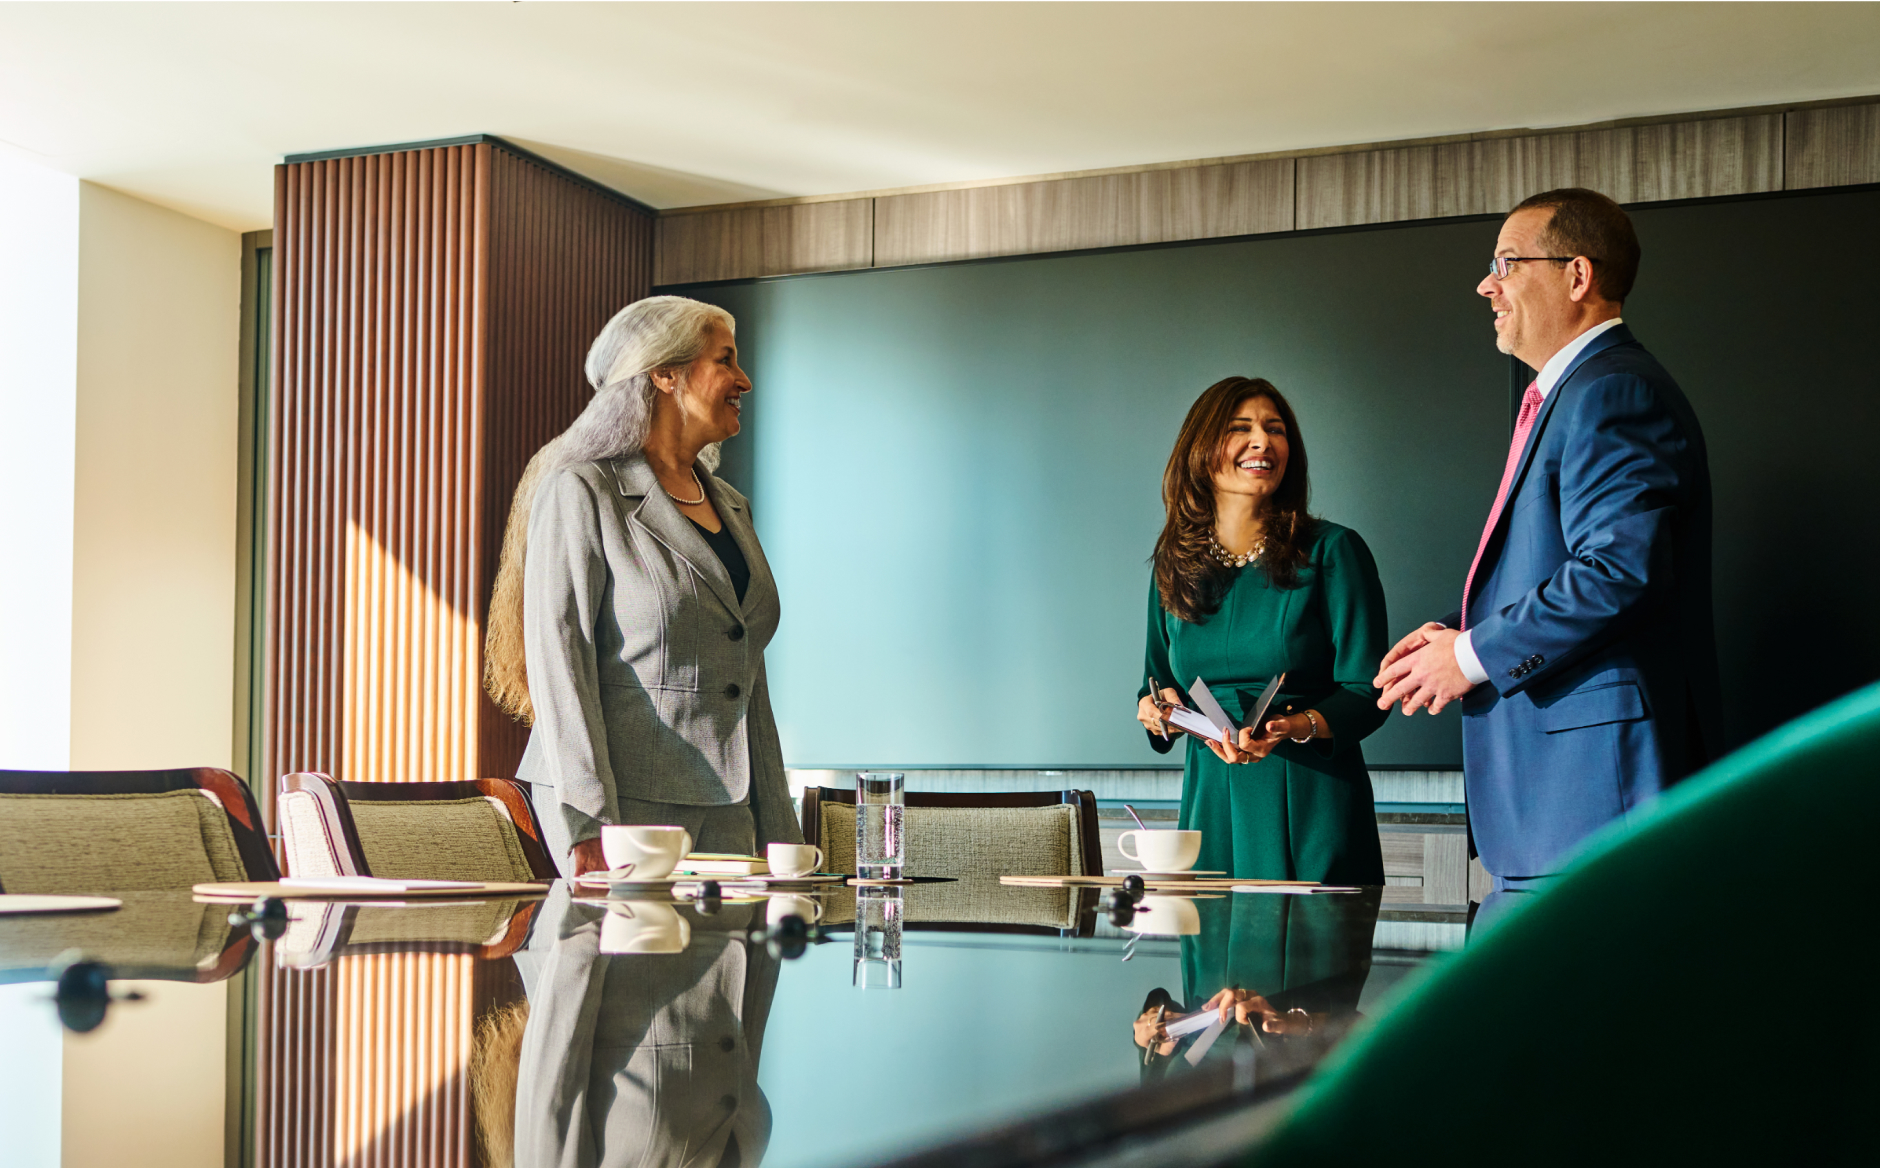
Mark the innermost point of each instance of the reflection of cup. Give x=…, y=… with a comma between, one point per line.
x=793, y=859
x=1166, y=916
x=653, y=851
x=1162, y=850
x=644, y=926
x=788, y=905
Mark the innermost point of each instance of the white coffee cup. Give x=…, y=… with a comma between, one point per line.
x=791, y=905
x=653, y=851
x=1162, y=849
x=793, y=859
x=644, y=926
x=1166, y=916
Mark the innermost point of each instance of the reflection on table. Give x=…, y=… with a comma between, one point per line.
x=581, y=1030
x=637, y=1058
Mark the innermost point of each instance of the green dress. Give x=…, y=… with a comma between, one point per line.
x=1305, y=811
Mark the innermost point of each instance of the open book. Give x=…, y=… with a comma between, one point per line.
x=1208, y=720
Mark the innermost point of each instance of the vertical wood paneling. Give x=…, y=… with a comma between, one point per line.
x=1707, y=159
x=432, y=308
x=564, y=258
x=1386, y=186
x=1633, y=164
x=1511, y=169
x=1113, y=210
x=1832, y=147
x=765, y=241
x=1690, y=158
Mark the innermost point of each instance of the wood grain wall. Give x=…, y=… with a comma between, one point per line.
x=1688, y=157
x=432, y=307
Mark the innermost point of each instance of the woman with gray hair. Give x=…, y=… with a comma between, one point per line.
x=633, y=603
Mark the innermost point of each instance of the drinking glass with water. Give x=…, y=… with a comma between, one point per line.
x=879, y=838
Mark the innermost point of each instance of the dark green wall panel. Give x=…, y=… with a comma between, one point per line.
x=955, y=469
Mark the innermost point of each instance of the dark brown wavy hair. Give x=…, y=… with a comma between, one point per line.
x=1190, y=581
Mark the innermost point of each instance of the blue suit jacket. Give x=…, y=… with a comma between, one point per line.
x=1591, y=613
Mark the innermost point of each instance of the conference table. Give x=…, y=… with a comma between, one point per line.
x=938, y=1023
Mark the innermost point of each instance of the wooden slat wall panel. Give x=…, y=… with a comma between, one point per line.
x=373, y=571
x=1832, y=147
x=564, y=258
x=1115, y=210
x=765, y=241
x=1385, y=186
x=432, y=308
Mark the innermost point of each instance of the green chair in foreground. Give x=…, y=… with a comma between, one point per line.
x=1699, y=988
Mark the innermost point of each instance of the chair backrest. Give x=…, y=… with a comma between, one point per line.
x=1645, y=1008
x=990, y=834
x=478, y=829
x=127, y=831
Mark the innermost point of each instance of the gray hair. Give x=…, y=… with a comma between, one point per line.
x=660, y=332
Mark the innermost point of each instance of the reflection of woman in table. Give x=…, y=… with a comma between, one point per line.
x=646, y=1059
x=1274, y=967
x=1247, y=585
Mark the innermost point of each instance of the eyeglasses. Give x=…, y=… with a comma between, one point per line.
x=1501, y=266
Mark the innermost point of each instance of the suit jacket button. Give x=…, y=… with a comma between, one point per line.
x=727, y=1044
x=732, y=690
x=737, y=633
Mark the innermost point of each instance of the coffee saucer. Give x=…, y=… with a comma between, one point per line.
x=1186, y=874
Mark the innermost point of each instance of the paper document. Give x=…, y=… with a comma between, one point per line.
x=1193, y=723
x=1258, y=714
x=1200, y=1046
x=1292, y=889
x=1204, y=700
x=1190, y=1024
x=1209, y=720
x=369, y=884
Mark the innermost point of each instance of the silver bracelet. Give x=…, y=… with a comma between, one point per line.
x=1312, y=721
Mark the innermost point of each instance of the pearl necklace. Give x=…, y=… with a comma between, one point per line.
x=691, y=502
x=1228, y=559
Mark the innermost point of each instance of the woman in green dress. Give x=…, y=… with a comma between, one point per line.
x=1248, y=585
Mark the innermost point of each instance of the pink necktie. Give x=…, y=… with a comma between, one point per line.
x=1524, y=422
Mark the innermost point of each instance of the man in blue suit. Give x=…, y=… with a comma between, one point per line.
x=1583, y=653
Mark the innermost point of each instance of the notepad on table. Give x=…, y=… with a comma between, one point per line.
x=370, y=884
x=722, y=864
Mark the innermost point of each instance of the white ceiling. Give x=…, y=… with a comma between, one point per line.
x=190, y=105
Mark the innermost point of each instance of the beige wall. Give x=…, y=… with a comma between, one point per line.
x=153, y=559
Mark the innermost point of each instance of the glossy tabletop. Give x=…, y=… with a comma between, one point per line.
x=578, y=1029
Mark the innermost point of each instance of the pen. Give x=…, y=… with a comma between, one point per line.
x=1157, y=700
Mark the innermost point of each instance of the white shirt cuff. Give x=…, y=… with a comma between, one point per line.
x=1467, y=662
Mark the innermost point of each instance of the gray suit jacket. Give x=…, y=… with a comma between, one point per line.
x=646, y=673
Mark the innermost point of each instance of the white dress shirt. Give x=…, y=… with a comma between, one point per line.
x=1545, y=381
